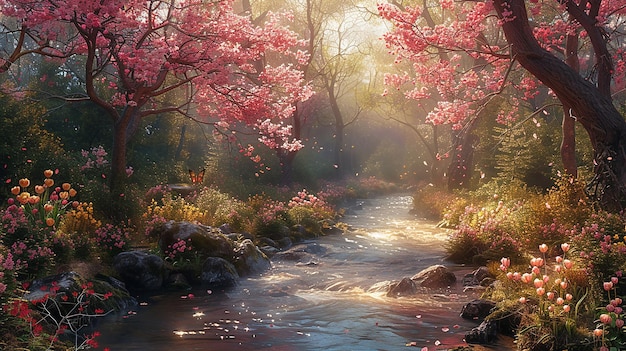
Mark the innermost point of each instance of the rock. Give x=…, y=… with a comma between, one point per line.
x=436, y=276
x=405, y=287
x=205, y=240
x=301, y=252
x=178, y=281
x=217, y=272
x=249, y=259
x=284, y=243
x=476, y=277
x=477, y=309
x=140, y=270
x=485, y=333
x=226, y=229
x=269, y=251
x=57, y=292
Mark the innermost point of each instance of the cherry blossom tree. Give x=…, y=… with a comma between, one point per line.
x=487, y=41
x=138, y=55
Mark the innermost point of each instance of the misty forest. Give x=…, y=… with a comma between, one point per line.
x=312, y=175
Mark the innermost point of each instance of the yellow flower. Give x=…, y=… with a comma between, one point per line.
x=23, y=197
x=48, y=173
x=24, y=182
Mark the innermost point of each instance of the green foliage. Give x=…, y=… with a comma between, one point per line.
x=26, y=146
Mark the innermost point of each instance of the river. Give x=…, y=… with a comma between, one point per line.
x=322, y=303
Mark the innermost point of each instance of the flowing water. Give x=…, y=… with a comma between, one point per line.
x=324, y=302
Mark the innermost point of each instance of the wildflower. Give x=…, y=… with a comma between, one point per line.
x=522, y=299
x=619, y=323
x=569, y=297
x=39, y=189
x=538, y=283
x=568, y=264
x=598, y=332
x=563, y=285
x=48, y=182
x=541, y=291
x=560, y=301
x=614, y=280
x=506, y=262
x=50, y=222
x=24, y=182
x=15, y=190
x=550, y=295
x=605, y=318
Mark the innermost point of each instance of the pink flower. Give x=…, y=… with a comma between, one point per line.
x=543, y=248
x=565, y=247
x=605, y=318
x=566, y=308
x=607, y=286
x=619, y=323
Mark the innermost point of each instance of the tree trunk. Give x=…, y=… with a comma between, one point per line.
x=568, y=126
x=595, y=111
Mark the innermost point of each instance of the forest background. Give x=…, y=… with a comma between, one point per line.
x=272, y=97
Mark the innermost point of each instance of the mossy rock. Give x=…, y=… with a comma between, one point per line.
x=203, y=240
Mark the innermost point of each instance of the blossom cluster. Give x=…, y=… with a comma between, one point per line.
x=46, y=204
x=177, y=249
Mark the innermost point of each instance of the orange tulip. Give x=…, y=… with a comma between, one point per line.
x=66, y=186
x=48, y=182
x=15, y=190
x=48, y=173
x=50, y=222
x=48, y=207
x=64, y=195
x=23, y=197
x=39, y=189
x=24, y=182
x=72, y=192
x=34, y=199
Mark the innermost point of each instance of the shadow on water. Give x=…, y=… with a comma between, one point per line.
x=325, y=302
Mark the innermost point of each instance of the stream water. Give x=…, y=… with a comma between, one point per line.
x=323, y=303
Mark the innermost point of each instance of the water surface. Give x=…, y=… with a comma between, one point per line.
x=322, y=302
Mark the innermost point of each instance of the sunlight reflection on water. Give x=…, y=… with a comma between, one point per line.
x=324, y=304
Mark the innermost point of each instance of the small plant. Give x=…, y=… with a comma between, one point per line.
x=558, y=303
x=112, y=240
x=44, y=205
x=610, y=333
x=60, y=315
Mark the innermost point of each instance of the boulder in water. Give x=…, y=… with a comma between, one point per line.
x=406, y=287
x=249, y=259
x=140, y=270
x=217, y=272
x=477, y=309
x=434, y=277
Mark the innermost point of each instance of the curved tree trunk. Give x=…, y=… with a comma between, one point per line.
x=595, y=111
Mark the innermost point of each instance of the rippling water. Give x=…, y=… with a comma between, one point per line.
x=322, y=303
